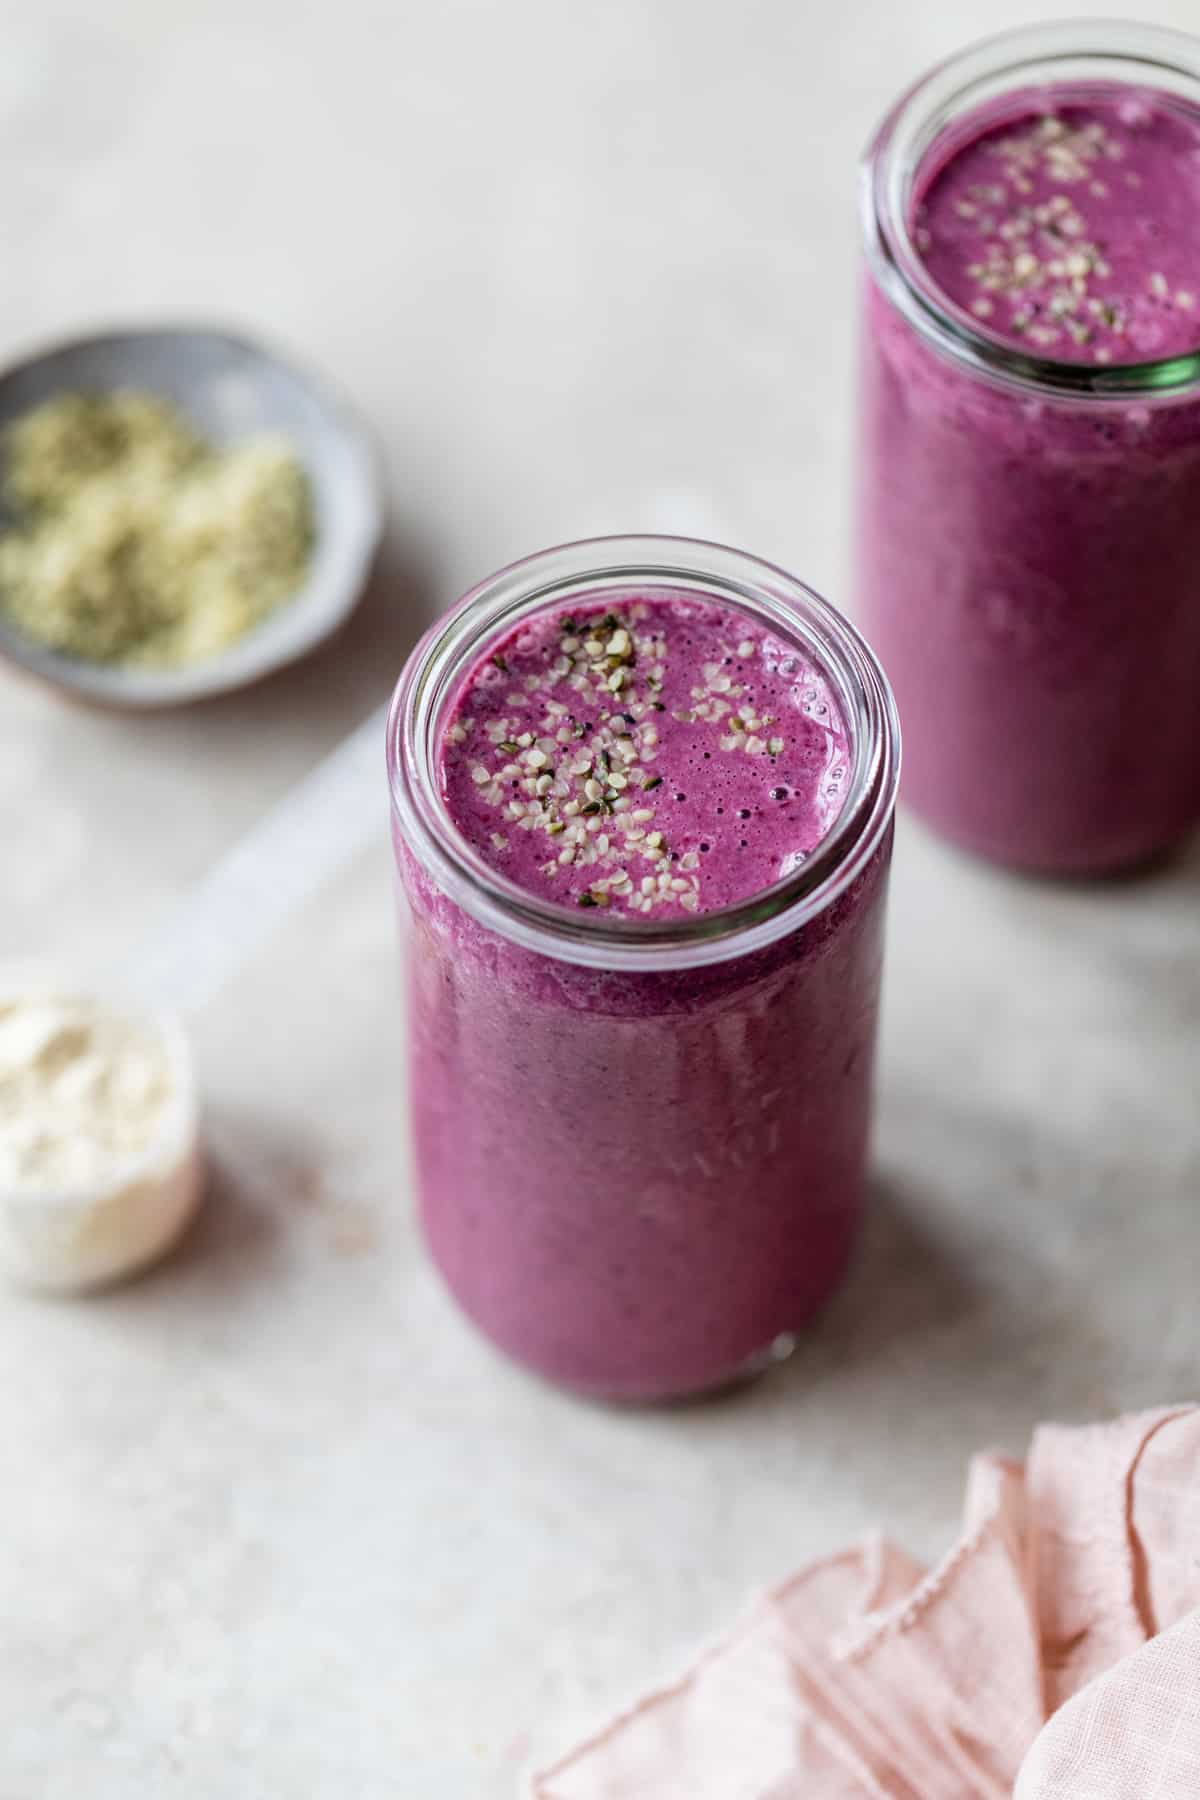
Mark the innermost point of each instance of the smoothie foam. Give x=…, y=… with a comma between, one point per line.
x=652, y=756
x=1073, y=229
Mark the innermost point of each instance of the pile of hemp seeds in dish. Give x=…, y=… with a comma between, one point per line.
x=132, y=540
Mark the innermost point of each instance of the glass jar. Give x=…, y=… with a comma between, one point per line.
x=1028, y=530
x=640, y=1145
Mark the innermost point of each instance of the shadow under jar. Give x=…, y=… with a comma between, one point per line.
x=640, y=1087
x=1029, y=460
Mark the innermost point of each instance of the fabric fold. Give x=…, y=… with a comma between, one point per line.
x=1133, y=1734
x=866, y=1677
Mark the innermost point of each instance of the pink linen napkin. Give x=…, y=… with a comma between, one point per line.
x=1071, y=1596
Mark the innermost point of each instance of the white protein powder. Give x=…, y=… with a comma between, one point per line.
x=82, y=1090
x=100, y=1158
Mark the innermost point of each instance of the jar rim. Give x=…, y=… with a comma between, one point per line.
x=716, y=572
x=1082, y=52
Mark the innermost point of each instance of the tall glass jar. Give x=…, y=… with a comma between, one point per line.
x=1028, y=530
x=640, y=1145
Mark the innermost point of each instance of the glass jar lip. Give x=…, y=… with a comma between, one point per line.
x=908, y=132
x=715, y=571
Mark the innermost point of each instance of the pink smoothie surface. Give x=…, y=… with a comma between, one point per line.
x=649, y=756
x=1072, y=228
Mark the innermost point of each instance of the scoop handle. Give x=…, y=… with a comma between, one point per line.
x=331, y=814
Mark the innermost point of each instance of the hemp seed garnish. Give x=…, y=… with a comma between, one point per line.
x=136, y=541
x=555, y=756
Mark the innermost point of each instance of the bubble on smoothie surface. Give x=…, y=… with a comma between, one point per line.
x=651, y=755
x=1073, y=230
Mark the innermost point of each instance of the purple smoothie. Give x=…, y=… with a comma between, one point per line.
x=636, y=1175
x=1029, y=527
x=652, y=756
x=1073, y=228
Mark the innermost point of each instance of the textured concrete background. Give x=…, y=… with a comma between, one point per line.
x=272, y=1522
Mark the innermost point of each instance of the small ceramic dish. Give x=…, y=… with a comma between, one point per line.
x=228, y=388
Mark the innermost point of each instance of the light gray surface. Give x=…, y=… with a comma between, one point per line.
x=273, y=1522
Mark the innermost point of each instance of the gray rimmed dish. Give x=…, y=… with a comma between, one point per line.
x=228, y=387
